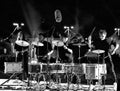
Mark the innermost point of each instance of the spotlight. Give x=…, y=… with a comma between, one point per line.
x=66, y=27
x=71, y=27
x=22, y=24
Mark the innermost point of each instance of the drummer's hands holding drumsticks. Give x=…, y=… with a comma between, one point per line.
x=114, y=49
x=68, y=49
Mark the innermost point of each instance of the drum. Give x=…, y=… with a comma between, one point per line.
x=21, y=45
x=74, y=68
x=12, y=67
x=95, y=56
x=52, y=68
x=79, y=51
x=95, y=71
x=34, y=68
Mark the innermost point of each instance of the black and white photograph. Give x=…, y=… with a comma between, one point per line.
x=59, y=45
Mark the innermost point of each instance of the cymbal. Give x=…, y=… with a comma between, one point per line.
x=80, y=44
x=22, y=43
x=98, y=51
x=37, y=43
x=58, y=42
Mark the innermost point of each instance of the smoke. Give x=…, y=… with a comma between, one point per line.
x=83, y=20
x=32, y=17
x=78, y=26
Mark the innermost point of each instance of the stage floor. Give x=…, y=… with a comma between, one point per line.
x=18, y=85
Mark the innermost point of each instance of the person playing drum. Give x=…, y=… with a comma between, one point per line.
x=42, y=48
x=101, y=42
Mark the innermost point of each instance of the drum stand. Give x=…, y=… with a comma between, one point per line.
x=58, y=58
x=58, y=80
x=99, y=78
x=23, y=69
x=79, y=59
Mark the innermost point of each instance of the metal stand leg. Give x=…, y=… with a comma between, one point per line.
x=8, y=79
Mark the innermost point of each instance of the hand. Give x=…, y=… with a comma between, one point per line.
x=113, y=53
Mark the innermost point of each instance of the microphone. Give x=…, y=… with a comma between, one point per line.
x=18, y=25
x=58, y=16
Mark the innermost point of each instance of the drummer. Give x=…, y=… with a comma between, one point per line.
x=101, y=43
x=43, y=48
x=61, y=51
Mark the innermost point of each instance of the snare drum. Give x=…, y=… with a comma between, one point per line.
x=34, y=68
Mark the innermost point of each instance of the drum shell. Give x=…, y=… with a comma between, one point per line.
x=11, y=67
x=95, y=71
x=20, y=48
x=34, y=68
x=75, y=68
x=53, y=68
x=94, y=57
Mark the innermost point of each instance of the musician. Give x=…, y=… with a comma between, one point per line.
x=115, y=52
x=61, y=51
x=78, y=50
x=101, y=42
x=43, y=48
x=114, y=44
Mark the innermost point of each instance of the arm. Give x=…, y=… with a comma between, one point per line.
x=70, y=50
x=116, y=47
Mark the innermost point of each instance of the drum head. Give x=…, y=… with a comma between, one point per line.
x=98, y=51
x=22, y=43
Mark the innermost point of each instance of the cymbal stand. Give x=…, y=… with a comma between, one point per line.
x=48, y=70
x=57, y=59
x=98, y=57
x=57, y=77
x=23, y=62
x=78, y=75
x=79, y=58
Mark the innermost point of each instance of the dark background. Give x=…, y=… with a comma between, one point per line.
x=89, y=14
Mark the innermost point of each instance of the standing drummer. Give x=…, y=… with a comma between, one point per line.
x=101, y=42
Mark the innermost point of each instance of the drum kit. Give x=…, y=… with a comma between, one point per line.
x=36, y=67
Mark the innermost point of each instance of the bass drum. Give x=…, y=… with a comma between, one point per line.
x=79, y=52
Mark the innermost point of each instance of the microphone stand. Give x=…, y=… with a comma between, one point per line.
x=11, y=34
